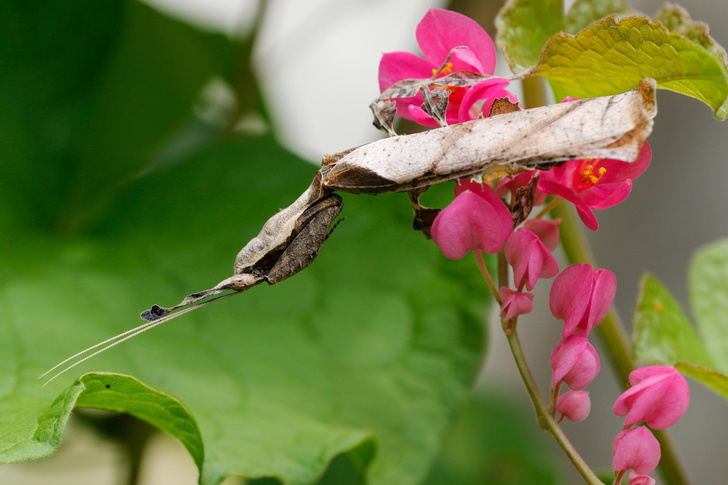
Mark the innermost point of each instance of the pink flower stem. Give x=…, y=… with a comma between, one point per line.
x=486, y=275
x=612, y=333
x=618, y=478
x=543, y=413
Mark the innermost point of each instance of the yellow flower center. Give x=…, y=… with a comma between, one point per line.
x=445, y=70
x=590, y=174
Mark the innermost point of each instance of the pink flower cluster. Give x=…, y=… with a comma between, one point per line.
x=479, y=220
x=658, y=396
x=581, y=297
x=460, y=44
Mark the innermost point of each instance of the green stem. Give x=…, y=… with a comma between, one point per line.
x=486, y=276
x=542, y=410
x=613, y=335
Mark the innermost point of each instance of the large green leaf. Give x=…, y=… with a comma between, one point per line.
x=585, y=12
x=662, y=333
x=523, y=27
x=710, y=378
x=708, y=283
x=611, y=57
x=376, y=344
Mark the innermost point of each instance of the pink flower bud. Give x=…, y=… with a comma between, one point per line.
x=530, y=259
x=515, y=303
x=581, y=296
x=476, y=220
x=575, y=362
x=659, y=396
x=636, y=479
x=546, y=230
x=636, y=449
x=574, y=405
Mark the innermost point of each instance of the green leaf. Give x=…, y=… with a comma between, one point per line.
x=369, y=352
x=708, y=284
x=523, y=27
x=612, y=56
x=710, y=378
x=101, y=391
x=585, y=12
x=662, y=333
x=114, y=392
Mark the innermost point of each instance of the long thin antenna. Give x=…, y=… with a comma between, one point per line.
x=122, y=337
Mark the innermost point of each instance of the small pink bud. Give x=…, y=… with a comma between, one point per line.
x=530, y=259
x=581, y=297
x=659, y=395
x=636, y=449
x=515, y=303
x=574, y=405
x=575, y=362
x=546, y=230
x=473, y=221
x=637, y=479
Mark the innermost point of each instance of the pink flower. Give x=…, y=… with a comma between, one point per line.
x=575, y=362
x=594, y=183
x=659, y=396
x=636, y=479
x=514, y=303
x=636, y=449
x=547, y=231
x=574, y=405
x=530, y=259
x=438, y=34
x=476, y=220
x=581, y=297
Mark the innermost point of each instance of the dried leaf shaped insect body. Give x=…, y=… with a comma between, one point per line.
x=606, y=127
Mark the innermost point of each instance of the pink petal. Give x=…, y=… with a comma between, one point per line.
x=636, y=449
x=465, y=60
x=574, y=405
x=659, y=396
x=635, y=479
x=587, y=217
x=575, y=362
x=396, y=66
x=487, y=89
x=442, y=30
x=602, y=295
x=547, y=231
x=418, y=115
x=618, y=170
x=529, y=258
x=570, y=295
x=471, y=222
x=515, y=303
x=605, y=195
